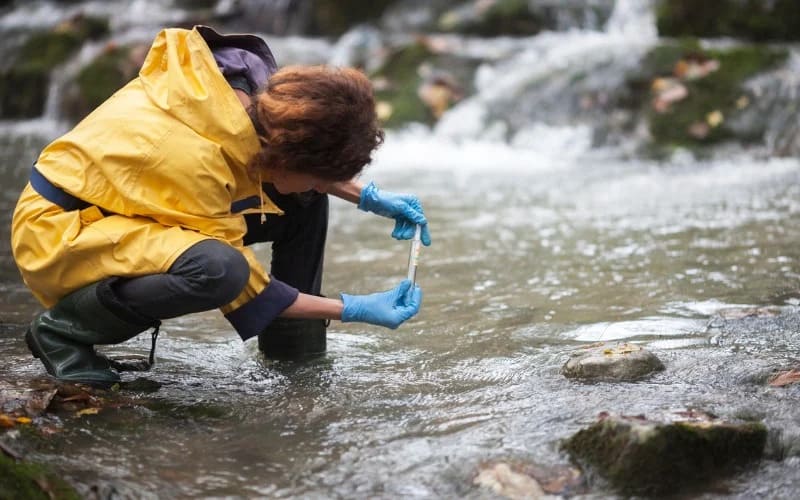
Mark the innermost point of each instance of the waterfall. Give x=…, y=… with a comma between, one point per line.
x=633, y=19
x=536, y=98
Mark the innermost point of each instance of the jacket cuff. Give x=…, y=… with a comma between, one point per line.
x=254, y=316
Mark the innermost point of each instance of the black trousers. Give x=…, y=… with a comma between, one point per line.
x=211, y=274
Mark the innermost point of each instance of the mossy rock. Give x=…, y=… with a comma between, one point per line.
x=503, y=17
x=755, y=20
x=332, y=18
x=32, y=481
x=638, y=456
x=401, y=76
x=24, y=84
x=97, y=81
x=720, y=91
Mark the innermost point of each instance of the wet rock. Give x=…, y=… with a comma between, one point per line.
x=24, y=83
x=783, y=442
x=503, y=481
x=707, y=97
x=749, y=331
x=333, y=18
x=25, y=400
x=641, y=456
x=418, y=81
x=624, y=362
x=754, y=20
x=515, y=479
x=492, y=18
x=97, y=81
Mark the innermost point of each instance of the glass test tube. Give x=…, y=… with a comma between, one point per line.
x=413, y=256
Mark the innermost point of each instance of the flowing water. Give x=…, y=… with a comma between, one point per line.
x=539, y=248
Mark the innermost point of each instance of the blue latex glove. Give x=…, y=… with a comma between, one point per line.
x=389, y=309
x=405, y=209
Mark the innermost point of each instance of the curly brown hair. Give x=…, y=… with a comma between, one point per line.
x=318, y=120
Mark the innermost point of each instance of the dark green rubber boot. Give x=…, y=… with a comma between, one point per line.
x=63, y=337
x=293, y=339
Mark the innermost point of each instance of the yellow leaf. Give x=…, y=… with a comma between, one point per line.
x=742, y=102
x=88, y=411
x=23, y=420
x=715, y=118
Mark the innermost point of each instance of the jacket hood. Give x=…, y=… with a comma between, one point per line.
x=180, y=76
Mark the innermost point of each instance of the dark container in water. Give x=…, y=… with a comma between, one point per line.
x=293, y=339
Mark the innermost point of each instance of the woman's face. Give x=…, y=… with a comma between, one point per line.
x=287, y=181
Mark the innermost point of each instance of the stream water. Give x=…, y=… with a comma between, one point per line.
x=538, y=249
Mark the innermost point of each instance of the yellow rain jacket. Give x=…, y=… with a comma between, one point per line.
x=160, y=165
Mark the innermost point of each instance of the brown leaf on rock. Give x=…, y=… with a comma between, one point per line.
x=783, y=379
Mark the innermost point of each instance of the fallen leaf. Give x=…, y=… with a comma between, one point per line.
x=742, y=102
x=23, y=420
x=715, y=118
x=6, y=421
x=88, y=411
x=785, y=378
x=77, y=397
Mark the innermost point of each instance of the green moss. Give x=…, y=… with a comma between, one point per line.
x=504, y=17
x=750, y=19
x=24, y=86
x=334, y=17
x=31, y=481
x=718, y=91
x=101, y=78
x=401, y=71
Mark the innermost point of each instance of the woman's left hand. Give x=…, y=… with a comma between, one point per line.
x=405, y=209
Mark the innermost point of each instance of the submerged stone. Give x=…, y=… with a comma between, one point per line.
x=624, y=362
x=516, y=479
x=639, y=456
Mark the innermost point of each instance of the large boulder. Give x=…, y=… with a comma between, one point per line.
x=419, y=81
x=624, y=362
x=640, y=456
x=693, y=97
x=492, y=18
